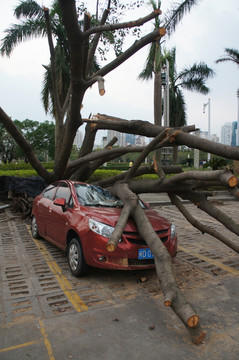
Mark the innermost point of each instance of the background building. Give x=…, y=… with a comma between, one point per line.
x=120, y=137
x=226, y=134
x=78, y=139
x=234, y=134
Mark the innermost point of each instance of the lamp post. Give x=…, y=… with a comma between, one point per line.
x=165, y=83
x=209, y=135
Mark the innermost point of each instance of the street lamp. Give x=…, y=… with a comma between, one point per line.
x=209, y=135
x=165, y=83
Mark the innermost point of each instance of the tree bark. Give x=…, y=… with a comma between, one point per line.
x=172, y=295
x=181, y=137
x=203, y=228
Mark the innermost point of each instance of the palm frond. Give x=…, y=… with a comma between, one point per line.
x=29, y=9
x=196, y=70
x=233, y=55
x=194, y=78
x=176, y=13
x=147, y=72
x=20, y=32
x=177, y=108
x=47, y=90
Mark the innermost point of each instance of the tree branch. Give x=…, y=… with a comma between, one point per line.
x=205, y=205
x=118, y=26
x=96, y=39
x=146, y=128
x=148, y=169
x=139, y=44
x=172, y=294
x=203, y=228
x=150, y=147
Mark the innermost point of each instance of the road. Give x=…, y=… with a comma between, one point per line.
x=46, y=313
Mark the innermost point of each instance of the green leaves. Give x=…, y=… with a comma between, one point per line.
x=231, y=55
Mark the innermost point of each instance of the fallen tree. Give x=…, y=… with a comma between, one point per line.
x=184, y=185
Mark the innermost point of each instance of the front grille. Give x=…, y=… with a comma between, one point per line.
x=136, y=262
x=135, y=239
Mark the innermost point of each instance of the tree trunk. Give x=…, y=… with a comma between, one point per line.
x=172, y=294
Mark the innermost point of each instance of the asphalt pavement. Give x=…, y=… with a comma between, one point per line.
x=46, y=313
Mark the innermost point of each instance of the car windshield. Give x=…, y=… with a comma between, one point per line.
x=91, y=195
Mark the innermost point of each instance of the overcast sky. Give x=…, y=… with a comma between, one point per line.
x=202, y=35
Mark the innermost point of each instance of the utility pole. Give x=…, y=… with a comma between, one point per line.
x=166, y=95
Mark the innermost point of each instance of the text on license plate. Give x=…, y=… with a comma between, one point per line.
x=145, y=254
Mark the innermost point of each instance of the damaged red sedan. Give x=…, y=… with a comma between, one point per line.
x=79, y=218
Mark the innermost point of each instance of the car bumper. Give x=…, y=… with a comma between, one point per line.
x=125, y=257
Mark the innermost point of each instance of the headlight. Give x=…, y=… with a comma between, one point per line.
x=100, y=228
x=173, y=231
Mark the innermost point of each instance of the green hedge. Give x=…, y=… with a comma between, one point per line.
x=102, y=174
x=23, y=166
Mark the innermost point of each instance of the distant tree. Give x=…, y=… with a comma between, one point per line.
x=7, y=146
x=44, y=138
x=39, y=135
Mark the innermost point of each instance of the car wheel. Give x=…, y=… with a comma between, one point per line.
x=76, y=259
x=34, y=228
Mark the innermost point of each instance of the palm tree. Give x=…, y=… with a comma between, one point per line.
x=192, y=78
x=37, y=22
x=154, y=60
x=231, y=55
x=34, y=25
x=153, y=68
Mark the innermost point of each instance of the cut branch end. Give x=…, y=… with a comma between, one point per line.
x=110, y=247
x=193, y=321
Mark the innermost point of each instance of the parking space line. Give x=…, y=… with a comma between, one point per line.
x=65, y=285
x=46, y=341
x=20, y=346
x=211, y=261
x=29, y=343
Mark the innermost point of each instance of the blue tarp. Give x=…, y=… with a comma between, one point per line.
x=32, y=186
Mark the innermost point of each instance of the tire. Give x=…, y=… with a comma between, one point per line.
x=76, y=261
x=34, y=228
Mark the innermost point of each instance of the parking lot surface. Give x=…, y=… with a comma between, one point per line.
x=46, y=313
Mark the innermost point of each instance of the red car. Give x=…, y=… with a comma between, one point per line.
x=79, y=218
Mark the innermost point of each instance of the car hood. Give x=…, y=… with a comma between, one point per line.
x=110, y=217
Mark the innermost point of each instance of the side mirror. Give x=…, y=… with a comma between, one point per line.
x=60, y=202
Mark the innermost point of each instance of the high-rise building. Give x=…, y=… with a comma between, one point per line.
x=234, y=134
x=78, y=139
x=120, y=137
x=226, y=134
x=130, y=139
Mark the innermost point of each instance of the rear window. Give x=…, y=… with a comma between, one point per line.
x=49, y=192
x=64, y=192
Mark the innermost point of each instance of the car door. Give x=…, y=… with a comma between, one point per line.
x=58, y=216
x=42, y=208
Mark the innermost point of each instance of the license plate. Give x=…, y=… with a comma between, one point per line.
x=145, y=254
